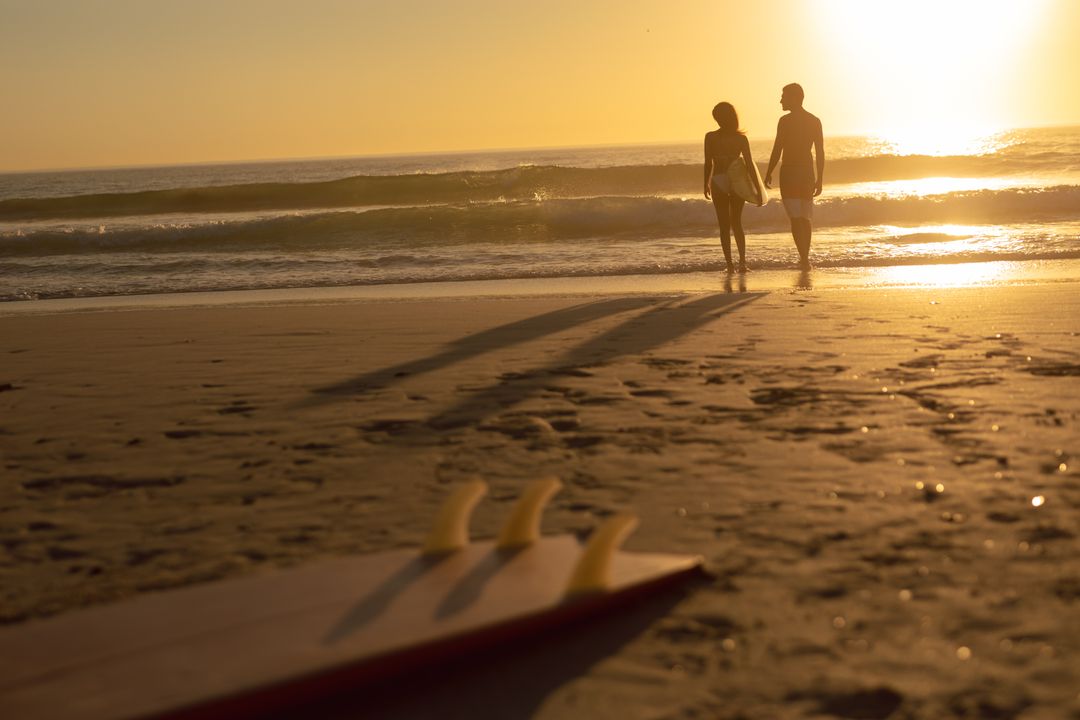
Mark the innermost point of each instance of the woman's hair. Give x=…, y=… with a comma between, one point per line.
x=726, y=117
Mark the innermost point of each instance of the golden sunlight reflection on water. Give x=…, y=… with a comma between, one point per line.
x=950, y=275
x=941, y=141
x=922, y=187
x=953, y=230
x=937, y=242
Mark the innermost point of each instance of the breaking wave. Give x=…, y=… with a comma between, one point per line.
x=528, y=220
x=521, y=183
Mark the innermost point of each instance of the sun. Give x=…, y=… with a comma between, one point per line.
x=930, y=77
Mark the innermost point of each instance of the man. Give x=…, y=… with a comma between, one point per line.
x=795, y=134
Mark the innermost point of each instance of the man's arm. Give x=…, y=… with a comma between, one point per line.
x=708, y=168
x=819, y=154
x=777, y=148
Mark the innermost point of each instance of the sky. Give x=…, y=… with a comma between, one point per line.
x=97, y=83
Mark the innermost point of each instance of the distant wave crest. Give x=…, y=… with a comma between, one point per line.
x=511, y=184
x=534, y=221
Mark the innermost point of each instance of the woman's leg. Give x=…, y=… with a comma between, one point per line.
x=723, y=217
x=735, y=213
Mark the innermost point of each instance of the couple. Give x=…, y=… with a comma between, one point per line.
x=795, y=134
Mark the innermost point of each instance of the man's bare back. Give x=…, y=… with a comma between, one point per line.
x=797, y=132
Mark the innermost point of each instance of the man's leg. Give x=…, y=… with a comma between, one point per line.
x=798, y=210
x=801, y=230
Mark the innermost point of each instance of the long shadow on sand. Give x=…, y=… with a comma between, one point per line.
x=658, y=326
x=665, y=321
x=479, y=343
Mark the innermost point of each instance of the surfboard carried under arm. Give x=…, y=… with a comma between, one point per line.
x=746, y=182
x=238, y=648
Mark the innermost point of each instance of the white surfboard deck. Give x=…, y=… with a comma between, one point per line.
x=746, y=182
x=239, y=647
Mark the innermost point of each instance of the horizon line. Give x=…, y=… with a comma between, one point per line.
x=429, y=153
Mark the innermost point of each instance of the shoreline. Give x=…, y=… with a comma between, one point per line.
x=978, y=274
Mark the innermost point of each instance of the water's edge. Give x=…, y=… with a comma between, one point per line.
x=983, y=274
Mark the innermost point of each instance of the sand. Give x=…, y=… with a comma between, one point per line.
x=883, y=482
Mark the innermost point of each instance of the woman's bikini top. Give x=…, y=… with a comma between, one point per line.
x=722, y=161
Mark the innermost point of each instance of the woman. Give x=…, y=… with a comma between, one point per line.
x=723, y=147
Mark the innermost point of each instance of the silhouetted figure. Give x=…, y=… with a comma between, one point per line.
x=796, y=133
x=723, y=147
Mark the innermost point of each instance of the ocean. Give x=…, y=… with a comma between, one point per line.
x=562, y=213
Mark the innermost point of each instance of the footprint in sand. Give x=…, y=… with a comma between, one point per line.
x=876, y=703
x=664, y=363
x=571, y=372
x=390, y=426
x=581, y=442
x=1068, y=589
x=786, y=397
x=92, y=486
x=237, y=406
x=652, y=393
x=1051, y=369
x=519, y=427
x=697, y=627
x=927, y=361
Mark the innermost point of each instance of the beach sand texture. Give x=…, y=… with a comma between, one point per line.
x=883, y=482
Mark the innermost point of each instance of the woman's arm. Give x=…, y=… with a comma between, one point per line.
x=708, y=166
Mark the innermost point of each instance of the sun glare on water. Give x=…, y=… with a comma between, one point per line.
x=943, y=276
x=933, y=77
x=922, y=187
x=946, y=246
x=938, y=141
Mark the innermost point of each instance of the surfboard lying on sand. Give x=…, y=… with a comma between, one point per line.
x=237, y=648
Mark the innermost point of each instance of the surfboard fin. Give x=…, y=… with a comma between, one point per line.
x=593, y=570
x=523, y=526
x=451, y=529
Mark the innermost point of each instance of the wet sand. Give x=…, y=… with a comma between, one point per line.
x=883, y=481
